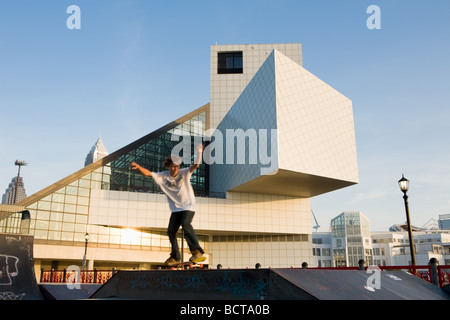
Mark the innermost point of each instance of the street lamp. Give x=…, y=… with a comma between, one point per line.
x=20, y=164
x=86, y=239
x=404, y=186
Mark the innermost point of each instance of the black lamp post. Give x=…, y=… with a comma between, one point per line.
x=86, y=239
x=404, y=186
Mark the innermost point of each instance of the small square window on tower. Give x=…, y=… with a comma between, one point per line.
x=230, y=62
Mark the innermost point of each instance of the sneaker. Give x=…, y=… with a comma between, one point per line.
x=171, y=261
x=196, y=256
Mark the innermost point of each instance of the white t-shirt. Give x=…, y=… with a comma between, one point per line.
x=178, y=189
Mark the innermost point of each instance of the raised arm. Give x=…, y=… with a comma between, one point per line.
x=198, y=159
x=142, y=170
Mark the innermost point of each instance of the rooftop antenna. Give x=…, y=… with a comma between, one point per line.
x=316, y=227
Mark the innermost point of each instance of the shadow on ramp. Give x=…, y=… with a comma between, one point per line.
x=266, y=284
x=61, y=291
x=360, y=285
x=17, y=277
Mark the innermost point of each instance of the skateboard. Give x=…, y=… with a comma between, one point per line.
x=188, y=264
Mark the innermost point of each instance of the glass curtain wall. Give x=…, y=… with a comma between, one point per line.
x=62, y=216
x=350, y=229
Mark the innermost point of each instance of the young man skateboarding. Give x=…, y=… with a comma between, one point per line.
x=176, y=184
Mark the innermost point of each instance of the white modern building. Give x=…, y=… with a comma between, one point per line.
x=351, y=240
x=275, y=135
x=348, y=242
x=392, y=248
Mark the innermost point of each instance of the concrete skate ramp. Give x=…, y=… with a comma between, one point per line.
x=236, y=284
x=61, y=291
x=17, y=277
x=362, y=285
x=268, y=284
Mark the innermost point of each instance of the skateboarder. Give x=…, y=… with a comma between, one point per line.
x=176, y=184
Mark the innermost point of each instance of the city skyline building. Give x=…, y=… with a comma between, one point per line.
x=444, y=221
x=97, y=152
x=254, y=208
x=8, y=196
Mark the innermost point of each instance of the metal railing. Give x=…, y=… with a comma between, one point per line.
x=70, y=276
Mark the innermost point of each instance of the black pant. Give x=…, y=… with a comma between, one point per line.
x=183, y=219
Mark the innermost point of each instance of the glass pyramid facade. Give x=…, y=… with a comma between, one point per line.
x=61, y=212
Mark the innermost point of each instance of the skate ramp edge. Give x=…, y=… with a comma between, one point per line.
x=267, y=284
x=236, y=284
x=363, y=285
x=17, y=277
x=62, y=291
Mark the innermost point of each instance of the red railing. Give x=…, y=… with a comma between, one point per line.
x=71, y=276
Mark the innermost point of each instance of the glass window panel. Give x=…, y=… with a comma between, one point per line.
x=41, y=234
x=103, y=230
x=56, y=216
x=54, y=235
x=55, y=225
x=47, y=198
x=72, y=190
x=61, y=191
x=146, y=242
x=71, y=199
x=82, y=210
x=156, y=242
x=83, y=192
x=32, y=206
x=68, y=227
x=78, y=236
x=67, y=236
x=80, y=227
x=57, y=206
x=44, y=205
x=42, y=225
x=114, y=239
x=85, y=183
x=83, y=201
x=42, y=215
x=69, y=217
x=70, y=208
x=96, y=185
x=96, y=176
x=103, y=238
x=58, y=198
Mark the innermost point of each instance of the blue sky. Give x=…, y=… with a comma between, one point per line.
x=134, y=66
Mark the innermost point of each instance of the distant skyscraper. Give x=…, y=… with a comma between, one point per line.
x=97, y=152
x=8, y=197
x=444, y=221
